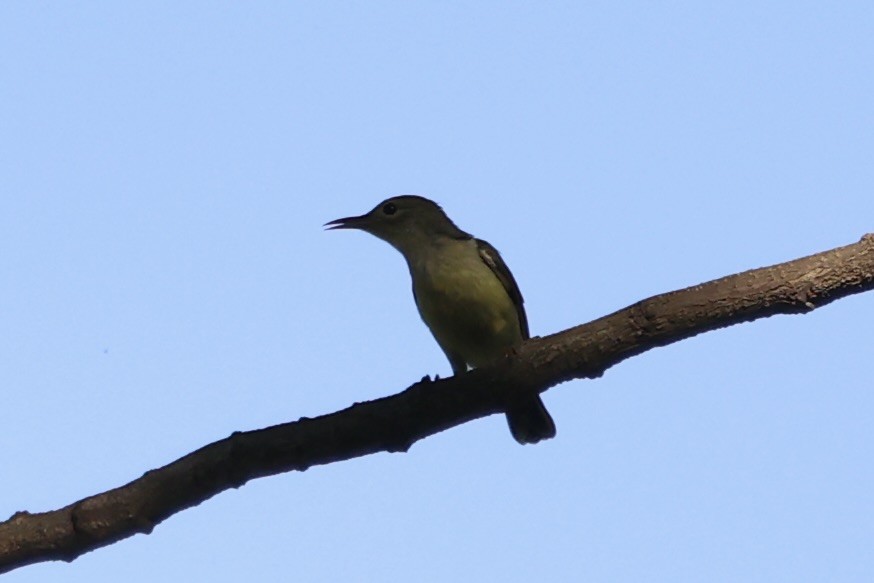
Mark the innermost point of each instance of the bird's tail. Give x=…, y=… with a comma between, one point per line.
x=530, y=422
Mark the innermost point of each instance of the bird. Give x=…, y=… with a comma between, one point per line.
x=464, y=292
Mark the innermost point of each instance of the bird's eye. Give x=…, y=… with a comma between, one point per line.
x=389, y=208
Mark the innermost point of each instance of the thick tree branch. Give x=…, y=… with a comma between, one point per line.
x=395, y=423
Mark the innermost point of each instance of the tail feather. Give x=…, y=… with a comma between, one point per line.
x=530, y=422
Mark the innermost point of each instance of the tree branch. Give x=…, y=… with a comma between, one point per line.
x=394, y=423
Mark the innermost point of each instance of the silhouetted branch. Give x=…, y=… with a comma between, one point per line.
x=395, y=423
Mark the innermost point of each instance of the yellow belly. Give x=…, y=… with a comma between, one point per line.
x=467, y=309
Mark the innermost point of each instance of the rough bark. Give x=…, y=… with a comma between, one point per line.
x=395, y=423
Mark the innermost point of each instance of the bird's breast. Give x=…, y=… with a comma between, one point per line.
x=466, y=307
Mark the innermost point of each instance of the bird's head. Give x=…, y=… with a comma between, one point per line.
x=404, y=221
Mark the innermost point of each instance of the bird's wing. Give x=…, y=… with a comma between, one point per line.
x=492, y=258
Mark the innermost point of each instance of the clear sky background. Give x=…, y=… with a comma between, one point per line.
x=166, y=168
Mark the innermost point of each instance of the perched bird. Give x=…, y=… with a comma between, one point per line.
x=464, y=291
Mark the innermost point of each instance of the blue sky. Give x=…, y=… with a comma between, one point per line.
x=167, y=167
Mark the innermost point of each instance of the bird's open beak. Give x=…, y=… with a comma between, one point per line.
x=359, y=222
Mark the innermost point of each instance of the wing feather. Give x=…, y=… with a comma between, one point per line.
x=492, y=258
